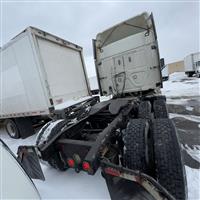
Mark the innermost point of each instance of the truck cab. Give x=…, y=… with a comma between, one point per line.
x=127, y=57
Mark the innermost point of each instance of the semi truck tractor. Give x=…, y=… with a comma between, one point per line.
x=37, y=74
x=130, y=137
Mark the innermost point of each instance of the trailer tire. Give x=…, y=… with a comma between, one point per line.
x=190, y=74
x=144, y=110
x=25, y=126
x=12, y=128
x=135, y=147
x=170, y=171
x=160, y=109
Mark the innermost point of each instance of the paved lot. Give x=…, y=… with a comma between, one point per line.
x=183, y=98
x=188, y=132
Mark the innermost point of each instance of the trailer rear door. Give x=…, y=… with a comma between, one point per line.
x=65, y=72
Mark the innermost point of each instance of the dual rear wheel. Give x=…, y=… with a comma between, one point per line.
x=151, y=146
x=19, y=127
x=12, y=129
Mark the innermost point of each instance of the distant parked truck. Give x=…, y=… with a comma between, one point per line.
x=192, y=64
x=38, y=72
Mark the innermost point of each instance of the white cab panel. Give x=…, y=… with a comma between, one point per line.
x=127, y=57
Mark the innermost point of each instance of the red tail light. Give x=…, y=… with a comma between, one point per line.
x=112, y=171
x=86, y=166
x=71, y=162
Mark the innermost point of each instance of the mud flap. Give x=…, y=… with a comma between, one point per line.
x=125, y=184
x=29, y=160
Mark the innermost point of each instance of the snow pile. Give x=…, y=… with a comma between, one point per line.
x=177, y=76
x=180, y=86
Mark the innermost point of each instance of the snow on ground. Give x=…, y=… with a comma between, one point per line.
x=179, y=88
x=193, y=183
x=194, y=152
x=188, y=117
x=189, y=108
x=180, y=85
x=70, y=185
x=62, y=185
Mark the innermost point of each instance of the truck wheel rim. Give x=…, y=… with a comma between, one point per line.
x=11, y=129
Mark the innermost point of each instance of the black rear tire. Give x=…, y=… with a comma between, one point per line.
x=135, y=145
x=170, y=171
x=25, y=126
x=160, y=109
x=12, y=128
x=144, y=110
x=190, y=74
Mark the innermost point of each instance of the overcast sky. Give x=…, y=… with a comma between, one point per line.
x=177, y=23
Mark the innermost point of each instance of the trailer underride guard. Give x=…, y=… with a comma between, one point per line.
x=129, y=137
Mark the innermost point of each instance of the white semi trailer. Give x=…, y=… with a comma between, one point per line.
x=38, y=72
x=192, y=64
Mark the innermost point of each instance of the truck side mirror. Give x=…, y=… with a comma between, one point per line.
x=94, y=49
x=162, y=63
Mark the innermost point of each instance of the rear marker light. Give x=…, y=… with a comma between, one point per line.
x=86, y=166
x=71, y=162
x=112, y=171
